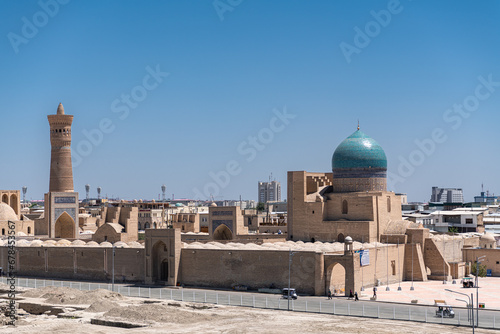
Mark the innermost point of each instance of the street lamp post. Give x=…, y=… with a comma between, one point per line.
x=470, y=305
x=399, y=269
x=290, y=255
x=412, y=245
x=478, y=262
x=454, y=261
x=113, y=271
x=387, y=257
x=444, y=262
x=362, y=280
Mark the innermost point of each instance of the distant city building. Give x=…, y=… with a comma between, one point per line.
x=413, y=207
x=485, y=198
x=447, y=195
x=404, y=198
x=462, y=220
x=269, y=192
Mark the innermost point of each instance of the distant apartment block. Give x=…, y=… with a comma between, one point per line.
x=447, y=195
x=461, y=220
x=269, y=192
x=486, y=198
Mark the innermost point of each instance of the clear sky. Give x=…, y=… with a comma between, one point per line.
x=210, y=97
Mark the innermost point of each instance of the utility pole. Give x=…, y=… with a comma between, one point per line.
x=478, y=262
x=113, y=271
x=290, y=255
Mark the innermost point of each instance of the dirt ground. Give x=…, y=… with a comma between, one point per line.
x=176, y=317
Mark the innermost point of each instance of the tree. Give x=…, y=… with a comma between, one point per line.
x=261, y=206
x=453, y=229
x=481, y=270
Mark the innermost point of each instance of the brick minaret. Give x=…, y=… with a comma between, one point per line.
x=61, y=169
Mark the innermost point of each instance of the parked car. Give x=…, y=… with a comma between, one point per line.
x=445, y=311
x=292, y=294
x=468, y=282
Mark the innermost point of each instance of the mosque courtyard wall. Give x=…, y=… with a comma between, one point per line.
x=259, y=267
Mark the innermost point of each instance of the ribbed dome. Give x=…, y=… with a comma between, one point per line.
x=359, y=151
x=7, y=213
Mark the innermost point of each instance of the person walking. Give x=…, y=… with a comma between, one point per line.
x=374, y=292
x=356, y=296
x=329, y=294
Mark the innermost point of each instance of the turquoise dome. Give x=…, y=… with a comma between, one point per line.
x=359, y=151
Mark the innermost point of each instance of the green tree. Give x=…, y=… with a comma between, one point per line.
x=481, y=269
x=261, y=206
x=453, y=229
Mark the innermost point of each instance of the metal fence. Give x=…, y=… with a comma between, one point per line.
x=341, y=307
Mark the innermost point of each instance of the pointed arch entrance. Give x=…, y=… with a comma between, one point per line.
x=223, y=233
x=336, y=279
x=64, y=226
x=160, y=262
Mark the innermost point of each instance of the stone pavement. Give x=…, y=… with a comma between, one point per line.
x=427, y=292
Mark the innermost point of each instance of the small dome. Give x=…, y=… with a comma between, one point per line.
x=348, y=240
x=36, y=243
x=7, y=213
x=134, y=244
x=48, y=243
x=63, y=242
x=487, y=237
x=359, y=151
x=92, y=244
x=213, y=205
x=23, y=242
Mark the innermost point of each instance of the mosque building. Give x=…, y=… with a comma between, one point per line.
x=352, y=200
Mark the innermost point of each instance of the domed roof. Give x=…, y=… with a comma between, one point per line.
x=359, y=151
x=487, y=237
x=7, y=213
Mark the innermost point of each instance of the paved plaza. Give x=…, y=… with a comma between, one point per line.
x=426, y=292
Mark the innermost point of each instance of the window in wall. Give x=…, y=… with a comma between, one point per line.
x=345, y=207
x=388, y=204
x=393, y=265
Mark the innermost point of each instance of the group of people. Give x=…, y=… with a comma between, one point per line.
x=351, y=295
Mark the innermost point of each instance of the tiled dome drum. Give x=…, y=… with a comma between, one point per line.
x=359, y=164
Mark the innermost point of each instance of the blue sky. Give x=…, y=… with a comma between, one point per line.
x=233, y=66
